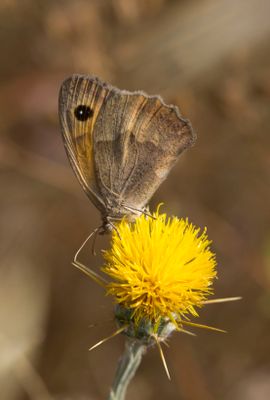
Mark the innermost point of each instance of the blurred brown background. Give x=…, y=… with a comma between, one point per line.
x=212, y=59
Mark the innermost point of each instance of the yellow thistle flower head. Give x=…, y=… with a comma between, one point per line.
x=161, y=270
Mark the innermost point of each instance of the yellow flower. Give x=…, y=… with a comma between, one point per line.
x=161, y=268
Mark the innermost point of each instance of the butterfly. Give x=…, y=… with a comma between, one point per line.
x=121, y=144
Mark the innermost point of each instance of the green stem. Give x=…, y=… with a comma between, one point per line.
x=127, y=367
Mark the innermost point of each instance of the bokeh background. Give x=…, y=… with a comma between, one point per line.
x=212, y=59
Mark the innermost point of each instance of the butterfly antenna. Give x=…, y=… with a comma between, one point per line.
x=107, y=338
x=84, y=243
x=162, y=357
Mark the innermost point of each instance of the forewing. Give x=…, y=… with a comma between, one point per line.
x=78, y=133
x=138, y=138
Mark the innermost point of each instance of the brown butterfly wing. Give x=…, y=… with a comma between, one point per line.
x=78, y=133
x=125, y=148
x=137, y=140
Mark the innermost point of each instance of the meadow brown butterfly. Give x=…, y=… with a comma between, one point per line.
x=121, y=144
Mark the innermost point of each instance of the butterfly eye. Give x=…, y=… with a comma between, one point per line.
x=83, y=113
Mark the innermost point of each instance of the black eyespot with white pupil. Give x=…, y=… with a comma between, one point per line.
x=83, y=113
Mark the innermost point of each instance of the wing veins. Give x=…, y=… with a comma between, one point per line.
x=142, y=106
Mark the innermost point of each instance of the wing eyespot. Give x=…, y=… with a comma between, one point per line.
x=83, y=112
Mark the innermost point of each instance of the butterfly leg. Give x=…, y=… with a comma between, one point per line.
x=111, y=224
x=142, y=210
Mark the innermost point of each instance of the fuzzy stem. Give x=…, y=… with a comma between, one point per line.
x=128, y=364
